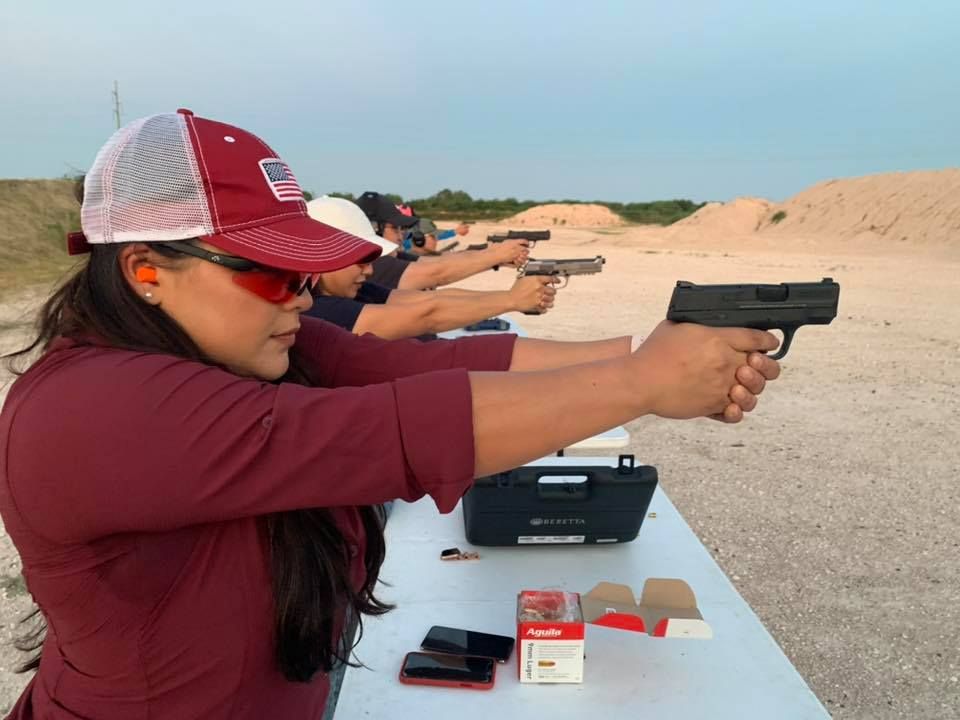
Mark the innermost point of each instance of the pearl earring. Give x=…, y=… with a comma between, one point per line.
x=148, y=295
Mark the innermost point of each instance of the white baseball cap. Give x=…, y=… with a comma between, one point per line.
x=346, y=216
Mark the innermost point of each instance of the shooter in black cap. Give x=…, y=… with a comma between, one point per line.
x=412, y=272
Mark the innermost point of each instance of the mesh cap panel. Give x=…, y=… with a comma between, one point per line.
x=145, y=186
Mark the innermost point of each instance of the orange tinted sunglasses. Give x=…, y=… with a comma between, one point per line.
x=272, y=284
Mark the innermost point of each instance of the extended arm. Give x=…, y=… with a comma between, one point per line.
x=240, y=443
x=530, y=354
x=433, y=312
x=677, y=373
x=436, y=271
x=398, y=297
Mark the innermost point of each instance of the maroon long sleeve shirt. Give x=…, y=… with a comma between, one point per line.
x=130, y=483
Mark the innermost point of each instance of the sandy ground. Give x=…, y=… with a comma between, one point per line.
x=581, y=216
x=833, y=508
x=911, y=207
x=736, y=218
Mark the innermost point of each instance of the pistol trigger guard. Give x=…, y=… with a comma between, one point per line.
x=785, y=345
x=566, y=279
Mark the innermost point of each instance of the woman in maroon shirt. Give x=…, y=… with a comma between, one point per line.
x=192, y=473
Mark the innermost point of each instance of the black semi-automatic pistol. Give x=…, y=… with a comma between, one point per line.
x=531, y=236
x=784, y=307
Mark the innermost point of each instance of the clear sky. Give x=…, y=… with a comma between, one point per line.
x=590, y=100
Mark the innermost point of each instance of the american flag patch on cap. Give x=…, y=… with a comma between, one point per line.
x=281, y=180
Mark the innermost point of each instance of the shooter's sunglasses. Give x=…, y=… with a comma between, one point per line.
x=272, y=284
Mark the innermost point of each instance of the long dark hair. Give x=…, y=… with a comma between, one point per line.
x=310, y=560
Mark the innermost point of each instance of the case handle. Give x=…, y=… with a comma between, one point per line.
x=564, y=487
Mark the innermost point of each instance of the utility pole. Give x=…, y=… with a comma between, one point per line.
x=116, y=103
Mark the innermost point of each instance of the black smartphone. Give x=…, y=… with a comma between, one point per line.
x=448, y=671
x=468, y=642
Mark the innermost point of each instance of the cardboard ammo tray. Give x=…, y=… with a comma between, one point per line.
x=569, y=504
x=667, y=608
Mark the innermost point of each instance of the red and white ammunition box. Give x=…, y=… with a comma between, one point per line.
x=550, y=634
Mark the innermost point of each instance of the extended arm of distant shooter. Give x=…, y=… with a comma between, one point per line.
x=435, y=271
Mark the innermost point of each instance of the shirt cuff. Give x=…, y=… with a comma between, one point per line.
x=435, y=411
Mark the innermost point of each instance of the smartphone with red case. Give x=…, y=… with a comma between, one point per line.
x=456, y=671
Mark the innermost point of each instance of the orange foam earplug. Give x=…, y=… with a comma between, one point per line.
x=146, y=274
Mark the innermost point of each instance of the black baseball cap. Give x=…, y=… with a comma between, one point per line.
x=379, y=209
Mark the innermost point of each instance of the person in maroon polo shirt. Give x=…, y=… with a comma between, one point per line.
x=192, y=472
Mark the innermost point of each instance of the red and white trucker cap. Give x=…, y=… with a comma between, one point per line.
x=176, y=176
